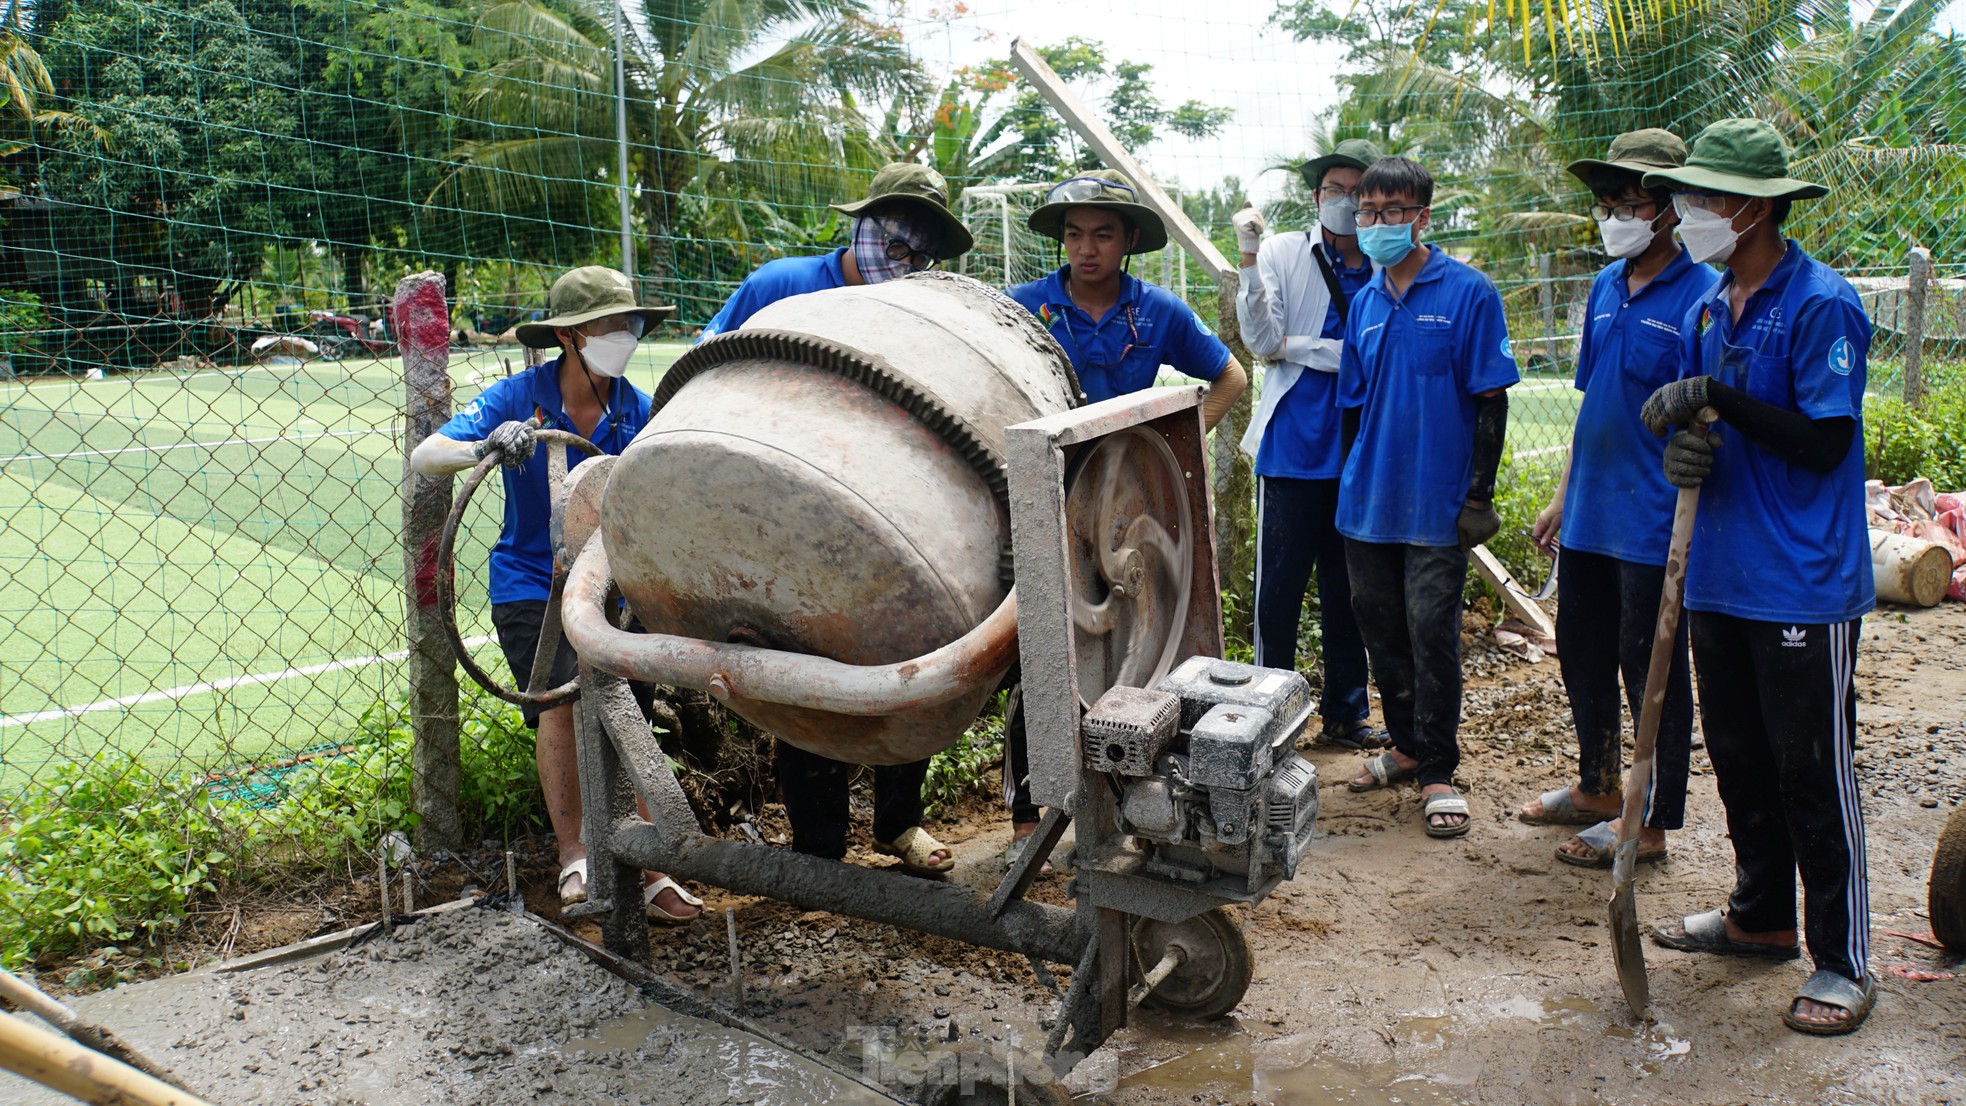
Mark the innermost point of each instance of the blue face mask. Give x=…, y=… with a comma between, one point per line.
x=1385, y=244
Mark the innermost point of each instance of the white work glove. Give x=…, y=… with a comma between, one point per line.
x=512, y=441
x=1249, y=229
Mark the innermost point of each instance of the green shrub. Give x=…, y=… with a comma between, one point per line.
x=105, y=852
x=1901, y=444
x=964, y=769
x=1522, y=490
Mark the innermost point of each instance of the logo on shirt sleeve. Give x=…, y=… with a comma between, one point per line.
x=1199, y=325
x=1842, y=357
x=1508, y=351
x=471, y=410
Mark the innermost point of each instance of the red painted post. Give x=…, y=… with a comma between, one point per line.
x=422, y=318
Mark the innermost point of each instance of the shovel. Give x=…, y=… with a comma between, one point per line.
x=1626, y=950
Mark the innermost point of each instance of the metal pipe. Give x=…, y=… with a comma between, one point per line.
x=813, y=883
x=748, y=672
x=621, y=145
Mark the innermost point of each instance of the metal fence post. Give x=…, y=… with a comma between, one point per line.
x=1919, y=264
x=1546, y=293
x=423, y=331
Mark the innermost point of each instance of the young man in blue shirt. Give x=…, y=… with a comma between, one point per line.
x=903, y=226
x=1613, y=508
x=1422, y=394
x=596, y=322
x=1296, y=291
x=1118, y=330
x=1779, y=576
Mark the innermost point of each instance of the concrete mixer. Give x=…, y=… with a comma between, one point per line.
x=845, y=521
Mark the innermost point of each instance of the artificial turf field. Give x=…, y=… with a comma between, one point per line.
x=224, y=544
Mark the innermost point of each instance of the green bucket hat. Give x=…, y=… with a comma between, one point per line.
x=1741, y=157
x=583, y=295
x=1352, y=153
x=1107, y=189
x=1653, y=149
x=922, y=190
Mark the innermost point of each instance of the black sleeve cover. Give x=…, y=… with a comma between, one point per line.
x=1816, y=444
x=1491, y=423
x=1347, y=430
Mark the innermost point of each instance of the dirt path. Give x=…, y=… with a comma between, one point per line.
x=1400, y=969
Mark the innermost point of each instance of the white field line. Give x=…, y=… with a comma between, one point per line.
x=226, y=684
x=1541, y=452
x=391, y=431
x=1540, y=386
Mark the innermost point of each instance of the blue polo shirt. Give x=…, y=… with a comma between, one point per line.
x=773, y=281
x=1413, y=367
x=1618, y=503
x=1123, y=352
x=1773, y=541
x=1301, y=441
x=522, y=559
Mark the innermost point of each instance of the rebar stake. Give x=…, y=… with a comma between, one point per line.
x=736, y=965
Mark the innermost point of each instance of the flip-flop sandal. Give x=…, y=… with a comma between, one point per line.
x=1449, y=803
x=576, y=874
x=1602, y=841
x=654, y=911
x=1707, y=933
x=1559, y=809
x=914, y=846
x=1353, y=735
x=1385, y=771
x=1831, y=989
x=1015, y=850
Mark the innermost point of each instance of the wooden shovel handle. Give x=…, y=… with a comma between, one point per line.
x=55, y=1061
x=1660, y=666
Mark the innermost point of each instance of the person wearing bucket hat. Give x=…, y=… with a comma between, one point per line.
x=903, y=226
x=1295, y=291
x=1612, y=509
x=1779, y=576
x=1423, y=407
x=596, y=321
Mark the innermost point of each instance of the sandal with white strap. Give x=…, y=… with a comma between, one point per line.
x=1446, y=803
x=654, y=910
x=573, y=883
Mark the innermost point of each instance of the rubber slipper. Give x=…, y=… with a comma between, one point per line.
x=573, y=883
x=1016, y=848
x=1559, y=809
x=1385, y=771
x=1707, y=933
x=914, y=847
x=1448, y=803
x=1602, y=841
x=655, y=912
x=1351, y=735
x=1831, y=989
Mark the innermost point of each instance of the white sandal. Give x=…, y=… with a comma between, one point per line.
x=657, y=914
x=576, y=873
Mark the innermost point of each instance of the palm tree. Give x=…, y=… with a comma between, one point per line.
x=743, y=117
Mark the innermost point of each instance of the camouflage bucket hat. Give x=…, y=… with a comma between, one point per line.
x=1653, y=149
x=1741, y=157
x=923, y=191
x=1108, y=189
x=1352, y=153
x=583, y=295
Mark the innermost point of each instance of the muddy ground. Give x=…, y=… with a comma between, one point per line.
x=1401, y=969
x=1396, y=968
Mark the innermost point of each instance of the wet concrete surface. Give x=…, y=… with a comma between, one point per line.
x=468, y=1007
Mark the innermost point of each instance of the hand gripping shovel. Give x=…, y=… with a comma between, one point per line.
x=1626, y=950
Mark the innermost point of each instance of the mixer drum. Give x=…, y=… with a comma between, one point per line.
x=828, y=480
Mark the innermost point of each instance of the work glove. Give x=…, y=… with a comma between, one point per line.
x=1674, y=404
x=1249, y=229
x=1478, y=523
x=514, y=443
x=1689, y=458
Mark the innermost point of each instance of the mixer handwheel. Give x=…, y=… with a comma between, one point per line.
x=1130, y=539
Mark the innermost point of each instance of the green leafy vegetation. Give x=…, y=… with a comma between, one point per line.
x=1902, y=443
x=969, y=766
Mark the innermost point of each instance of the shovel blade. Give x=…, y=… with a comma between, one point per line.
x=1626, y=949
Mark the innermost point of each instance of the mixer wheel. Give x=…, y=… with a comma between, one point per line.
x=1215, y=972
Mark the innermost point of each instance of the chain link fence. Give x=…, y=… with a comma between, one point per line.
x=204, y=205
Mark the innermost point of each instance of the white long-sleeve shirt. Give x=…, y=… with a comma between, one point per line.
x=1282, y=306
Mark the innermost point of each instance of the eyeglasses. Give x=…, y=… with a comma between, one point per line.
x=1334, y=192
x=608, y=324
x=903, y=244
x=1624, y=213
x=1694, y=199
x=1390, y=216
x=1081, y=189
x=898, y=249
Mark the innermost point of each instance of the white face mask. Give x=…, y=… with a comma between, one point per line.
x=1626, y=238
x=607, y=354
x=1340, y=217
x=1709, y=236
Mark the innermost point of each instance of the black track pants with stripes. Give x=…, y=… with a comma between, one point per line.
x=1780, y=718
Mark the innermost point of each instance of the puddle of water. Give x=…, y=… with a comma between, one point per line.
x=767, y=1074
